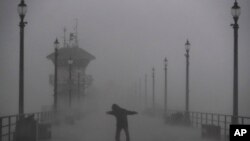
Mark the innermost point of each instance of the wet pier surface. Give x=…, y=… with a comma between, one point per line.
x=98, y=126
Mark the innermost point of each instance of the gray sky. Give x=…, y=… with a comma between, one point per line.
x=128, y=38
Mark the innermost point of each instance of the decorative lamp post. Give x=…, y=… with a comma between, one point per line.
x=235, y=11
x=146, y=103
x=140, y=92
x=22, y=9
x=153, y=88
x=187, y=47
x=56, y=43
x=70, y=62
x=78, y=84
x=165, y=96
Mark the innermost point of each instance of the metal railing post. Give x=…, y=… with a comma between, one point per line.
x=201, y=119
x=206, y=118
x=39, y=117
x=225, y=127
x=196, y=119
x=1, y=129
x=191, y=119
x=42, y=117
x=47, y=117
x=242, y=120
x=212, y=118
x=218, y=120
x=9, y=127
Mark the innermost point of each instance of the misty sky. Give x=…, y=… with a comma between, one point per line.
x=128, y=38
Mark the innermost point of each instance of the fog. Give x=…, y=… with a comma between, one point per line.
x=128, y=38
x=96, y=125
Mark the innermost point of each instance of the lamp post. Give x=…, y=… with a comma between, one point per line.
x=70, y=62
x=140, y=92
x=165, y=98
x=22, y=9
x=153, y=88
x=187, y=47
x=83, y=84
x=135, y=89
x=235, y=11
x=56, y=43
x=78, y=84
x=146, y=103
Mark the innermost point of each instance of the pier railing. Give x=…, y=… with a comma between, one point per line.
x=8, y=123
x=197, y=119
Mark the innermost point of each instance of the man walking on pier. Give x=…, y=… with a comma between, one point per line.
x=121, y=120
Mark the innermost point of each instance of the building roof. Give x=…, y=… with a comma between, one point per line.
x=74, y=53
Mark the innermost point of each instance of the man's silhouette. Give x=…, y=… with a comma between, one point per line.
x=121, y=120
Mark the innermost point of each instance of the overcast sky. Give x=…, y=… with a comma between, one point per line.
x=128, y=38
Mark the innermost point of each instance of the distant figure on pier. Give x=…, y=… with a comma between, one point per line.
x=121, y=120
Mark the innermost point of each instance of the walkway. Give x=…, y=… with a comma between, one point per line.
x=98, y=126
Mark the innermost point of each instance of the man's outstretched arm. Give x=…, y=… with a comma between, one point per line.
x=131, y=112
x=110, y=112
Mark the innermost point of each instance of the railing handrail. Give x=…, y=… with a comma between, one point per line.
x=14, y=115
x=39, y=116
x=197, y=119
x=209, y=113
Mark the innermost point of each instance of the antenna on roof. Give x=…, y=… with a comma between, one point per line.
x=76, y=33
x=64, y=37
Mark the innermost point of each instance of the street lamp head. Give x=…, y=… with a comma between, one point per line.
x=187, y=45
x=70, y=61
x=165, y=60
x=56, y=43
x=235, y=11
x=22, y=9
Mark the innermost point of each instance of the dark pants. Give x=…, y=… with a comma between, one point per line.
x=118, y=132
